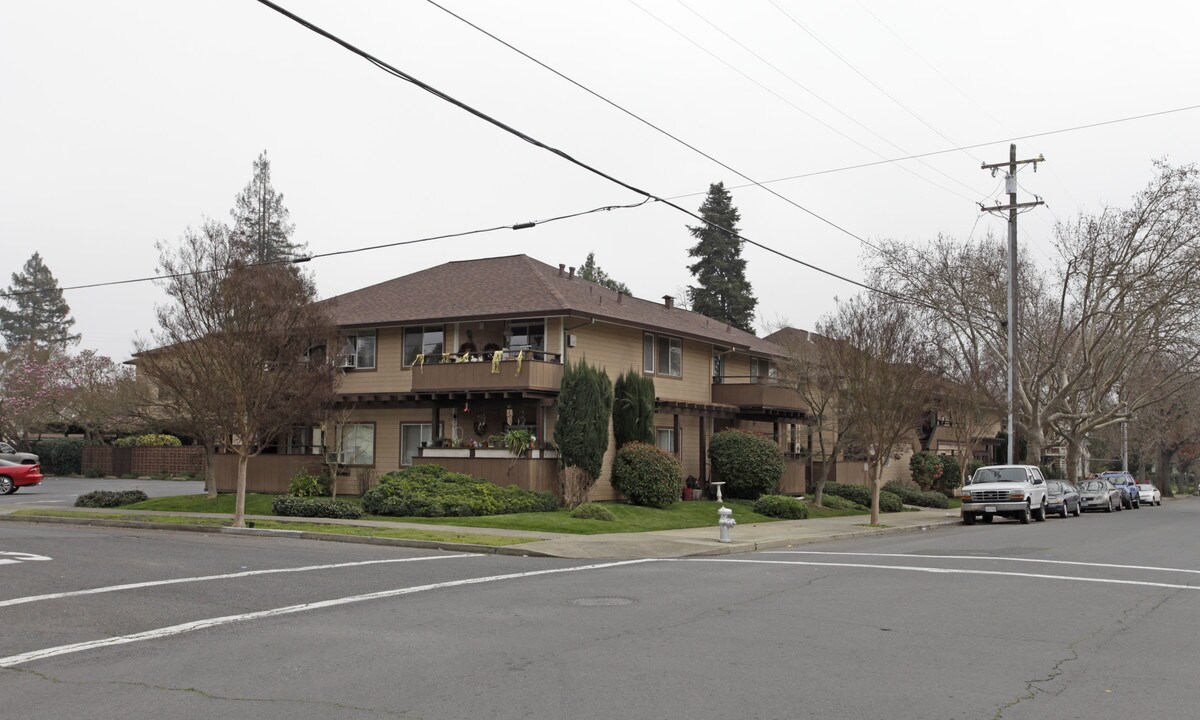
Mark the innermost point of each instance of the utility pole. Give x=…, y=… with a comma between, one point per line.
x=1010, y=179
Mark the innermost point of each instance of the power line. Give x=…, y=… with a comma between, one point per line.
x=828, y=104
x=786, y=101
x=562, y=154
x=1059, y=131
x=306, y=258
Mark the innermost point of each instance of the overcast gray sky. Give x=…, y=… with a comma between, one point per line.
x=126, y=122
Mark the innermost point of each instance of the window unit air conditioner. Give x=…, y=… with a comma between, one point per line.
x=346, y=362
x=335, y=458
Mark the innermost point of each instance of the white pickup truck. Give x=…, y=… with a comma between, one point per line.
x=1015, y=491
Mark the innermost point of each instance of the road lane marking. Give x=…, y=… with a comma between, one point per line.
x=23, y=658
x=947, y=571
x=13, y=558
x=226, y=576
x=986, y=557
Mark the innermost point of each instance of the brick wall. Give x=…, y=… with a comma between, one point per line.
x=147, y=460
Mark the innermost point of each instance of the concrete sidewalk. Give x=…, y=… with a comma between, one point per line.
x=620, y=546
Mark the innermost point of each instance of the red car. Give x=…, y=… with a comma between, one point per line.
x=14, y=475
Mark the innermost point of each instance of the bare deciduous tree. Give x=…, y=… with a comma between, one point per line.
x=240, y=347
x=888, y=377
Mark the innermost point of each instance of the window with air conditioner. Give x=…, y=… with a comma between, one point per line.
x=358, y=350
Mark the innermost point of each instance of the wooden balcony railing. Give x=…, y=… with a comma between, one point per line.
x=476, y=375
x=757, y=392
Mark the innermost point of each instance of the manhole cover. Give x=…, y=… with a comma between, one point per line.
x=603, y=601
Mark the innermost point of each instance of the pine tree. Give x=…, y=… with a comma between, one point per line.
x=581, y=431
x=40, y=315
x=592, y=272
x=261, y=230
x=722, y=291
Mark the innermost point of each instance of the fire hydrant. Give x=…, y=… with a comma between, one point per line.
x=725, y=522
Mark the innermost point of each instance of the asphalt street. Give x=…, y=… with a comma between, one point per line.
x=1091, y=617
x=63, y=491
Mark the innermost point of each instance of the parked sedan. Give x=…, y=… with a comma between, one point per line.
x=1099, y=495
x=9, y=453
x=14, y=475
x=1126, y=484
x=1150, y=494
x=1063, y=498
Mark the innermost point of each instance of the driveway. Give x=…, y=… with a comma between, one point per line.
x=63, y=491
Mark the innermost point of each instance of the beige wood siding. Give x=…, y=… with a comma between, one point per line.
x=389, y=374
x=387, y=431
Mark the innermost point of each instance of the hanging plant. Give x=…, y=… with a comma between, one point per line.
x=419, y=360
x=520, y=359
x=496, y=358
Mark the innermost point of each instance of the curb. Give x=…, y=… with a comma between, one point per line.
x=512, y=550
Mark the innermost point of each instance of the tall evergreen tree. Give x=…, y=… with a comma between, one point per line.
x=261, y=231
x=722, y=291
x=581, y=431
x=592, y=272
x=633, y=408
x=40, y=315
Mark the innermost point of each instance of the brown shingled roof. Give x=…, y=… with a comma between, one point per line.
x=519, y=286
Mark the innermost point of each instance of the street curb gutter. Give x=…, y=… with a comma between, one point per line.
x=868, y=532
x=513, y=550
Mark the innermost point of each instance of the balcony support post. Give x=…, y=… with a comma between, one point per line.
x=703, y=450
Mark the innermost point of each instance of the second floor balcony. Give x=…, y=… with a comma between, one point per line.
x=500, y=370
x=756, y=393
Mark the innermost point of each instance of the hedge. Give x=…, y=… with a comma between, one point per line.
x=861, y=494
x=647, y=475
x=781, y=506
x=833, y=502
x=305, y=485
x=914, y=496
x=750, y=465
x=433, y=491
x=59, y=456
x=318, y=507
x=148, y=440
x=110, y=498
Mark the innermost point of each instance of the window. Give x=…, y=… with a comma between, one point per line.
x=718, y=367
x=648, y=353
x=357, y=443
x=358, y=350
x=306, y=441
x=527, y=336
x=670, y=356
x=422, y=340
x=411, y=437
x=664, y=438
x=762, y=370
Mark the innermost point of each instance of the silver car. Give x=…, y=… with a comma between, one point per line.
x=1096, y=494
x=9, y=453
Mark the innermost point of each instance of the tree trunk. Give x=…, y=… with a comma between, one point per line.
x=1072, y=462
x=873, y=470
x=1162, y=477
x=239, y=510
x=1035, y=443
x=210, y=470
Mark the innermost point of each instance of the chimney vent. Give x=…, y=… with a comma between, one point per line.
x=619, y=296
x=561, y=268
x=669, y=301
x=572, y=275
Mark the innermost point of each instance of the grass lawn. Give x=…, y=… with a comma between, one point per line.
x=313, y=527
x=629, y=518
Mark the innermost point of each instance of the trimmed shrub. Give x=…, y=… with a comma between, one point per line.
x=860, y=494
x=889, y=503
x=647, y=475
x=592, y=511
x=750, y=465
x=914, y=496
x=433, y=491
x=59, y=456
x=833, y=502
x=950, y=474
x=148, y=440
x=926, y=469
x=110, y=498
x=781, y=506
x=633, y=408
x=315, y=507
x=94, y=472
x=306, y=486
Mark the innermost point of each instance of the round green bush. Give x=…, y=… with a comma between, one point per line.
x=647, y=475
x=911, y=495
x=307, y=485
x=781, y=506
x=950, y=474
x=592, y=511
x=148, y=440
x=889, y=503
x=750, y=465
x=860, y=494
x=926, y=469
